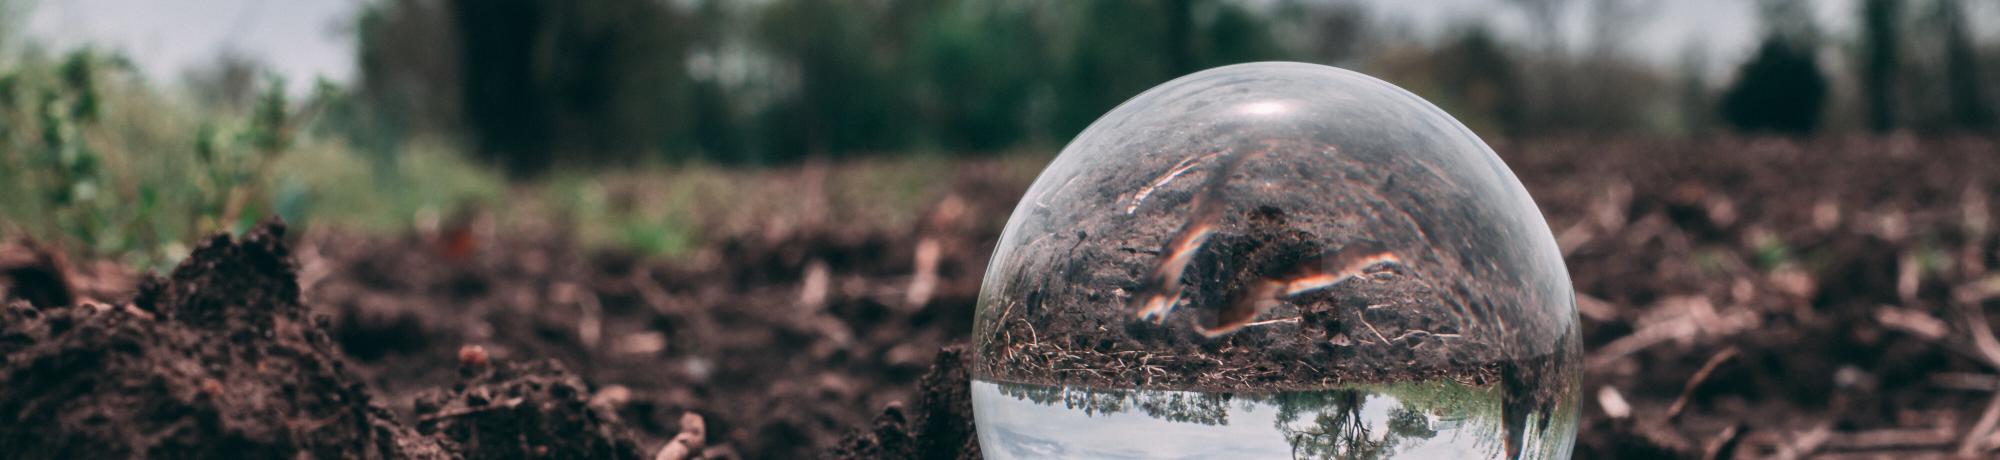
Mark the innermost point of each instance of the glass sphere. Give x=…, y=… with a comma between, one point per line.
x=1280, y=234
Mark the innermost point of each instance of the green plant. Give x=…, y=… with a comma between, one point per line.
x=66, y=167
x=237, y=158
x=97, y=162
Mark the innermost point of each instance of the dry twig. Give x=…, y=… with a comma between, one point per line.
x=1975, y=439
x=1913, y=322
x=1987, y=348
x=1807, y=443
x=1966, y=381
x=1724, y=445
x=1937, y=437
x=1701, y=375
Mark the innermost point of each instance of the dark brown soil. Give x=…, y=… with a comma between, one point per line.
x=1834, y=279
x=736, y=332
x=940, y=428
x=524, y=410
x=221, y=360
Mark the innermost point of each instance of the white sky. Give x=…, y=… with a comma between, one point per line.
x=301, y=39
x=1724, y=31
x=304, y=39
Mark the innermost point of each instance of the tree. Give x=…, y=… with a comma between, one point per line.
x=1110, y=55
x=407, y=61
x=527, y=80
x=1879, y=19
x=1478, y=75
x=1545, y=76
x=1335, y=33
x=583, y=79
x=981, y=65
x=845, y=94
x=1969, y=108
x=1780, y=91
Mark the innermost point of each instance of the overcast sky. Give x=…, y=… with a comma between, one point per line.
x=304, y=39
x=301, y=39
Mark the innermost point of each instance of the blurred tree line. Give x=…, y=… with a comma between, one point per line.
x=530, y=84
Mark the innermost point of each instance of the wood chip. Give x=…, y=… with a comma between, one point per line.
x=818, y=283
x=688, y=443
x=1613, y=403
x=924, y=282
x=1725, y=443
x=1914, y=322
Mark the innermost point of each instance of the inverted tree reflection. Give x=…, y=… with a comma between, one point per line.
x=1325, y=424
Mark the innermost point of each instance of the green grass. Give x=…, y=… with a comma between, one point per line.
x=341, y=188
x=104, y=166
x=666, y=210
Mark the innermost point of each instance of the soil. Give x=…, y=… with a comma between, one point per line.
x=531, y=409
x=1828, y=288
x=220, y=360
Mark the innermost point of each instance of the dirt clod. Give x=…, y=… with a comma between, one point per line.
x=942, y=424
x=472, y=357
x=524, y=410
x=36, y=274
x=112, y=382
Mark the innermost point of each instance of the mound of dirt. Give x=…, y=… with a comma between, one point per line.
x=221, y=360
x=941, y=427
x=523, y=410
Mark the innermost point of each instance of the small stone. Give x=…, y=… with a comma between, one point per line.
x=473, y=356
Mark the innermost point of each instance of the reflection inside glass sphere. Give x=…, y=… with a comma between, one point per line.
x=1275, y=234
x=1433, y=420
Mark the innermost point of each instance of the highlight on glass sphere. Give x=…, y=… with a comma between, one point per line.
x=1276, y=260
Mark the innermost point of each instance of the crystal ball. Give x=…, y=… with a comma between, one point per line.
x=1268, y=258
